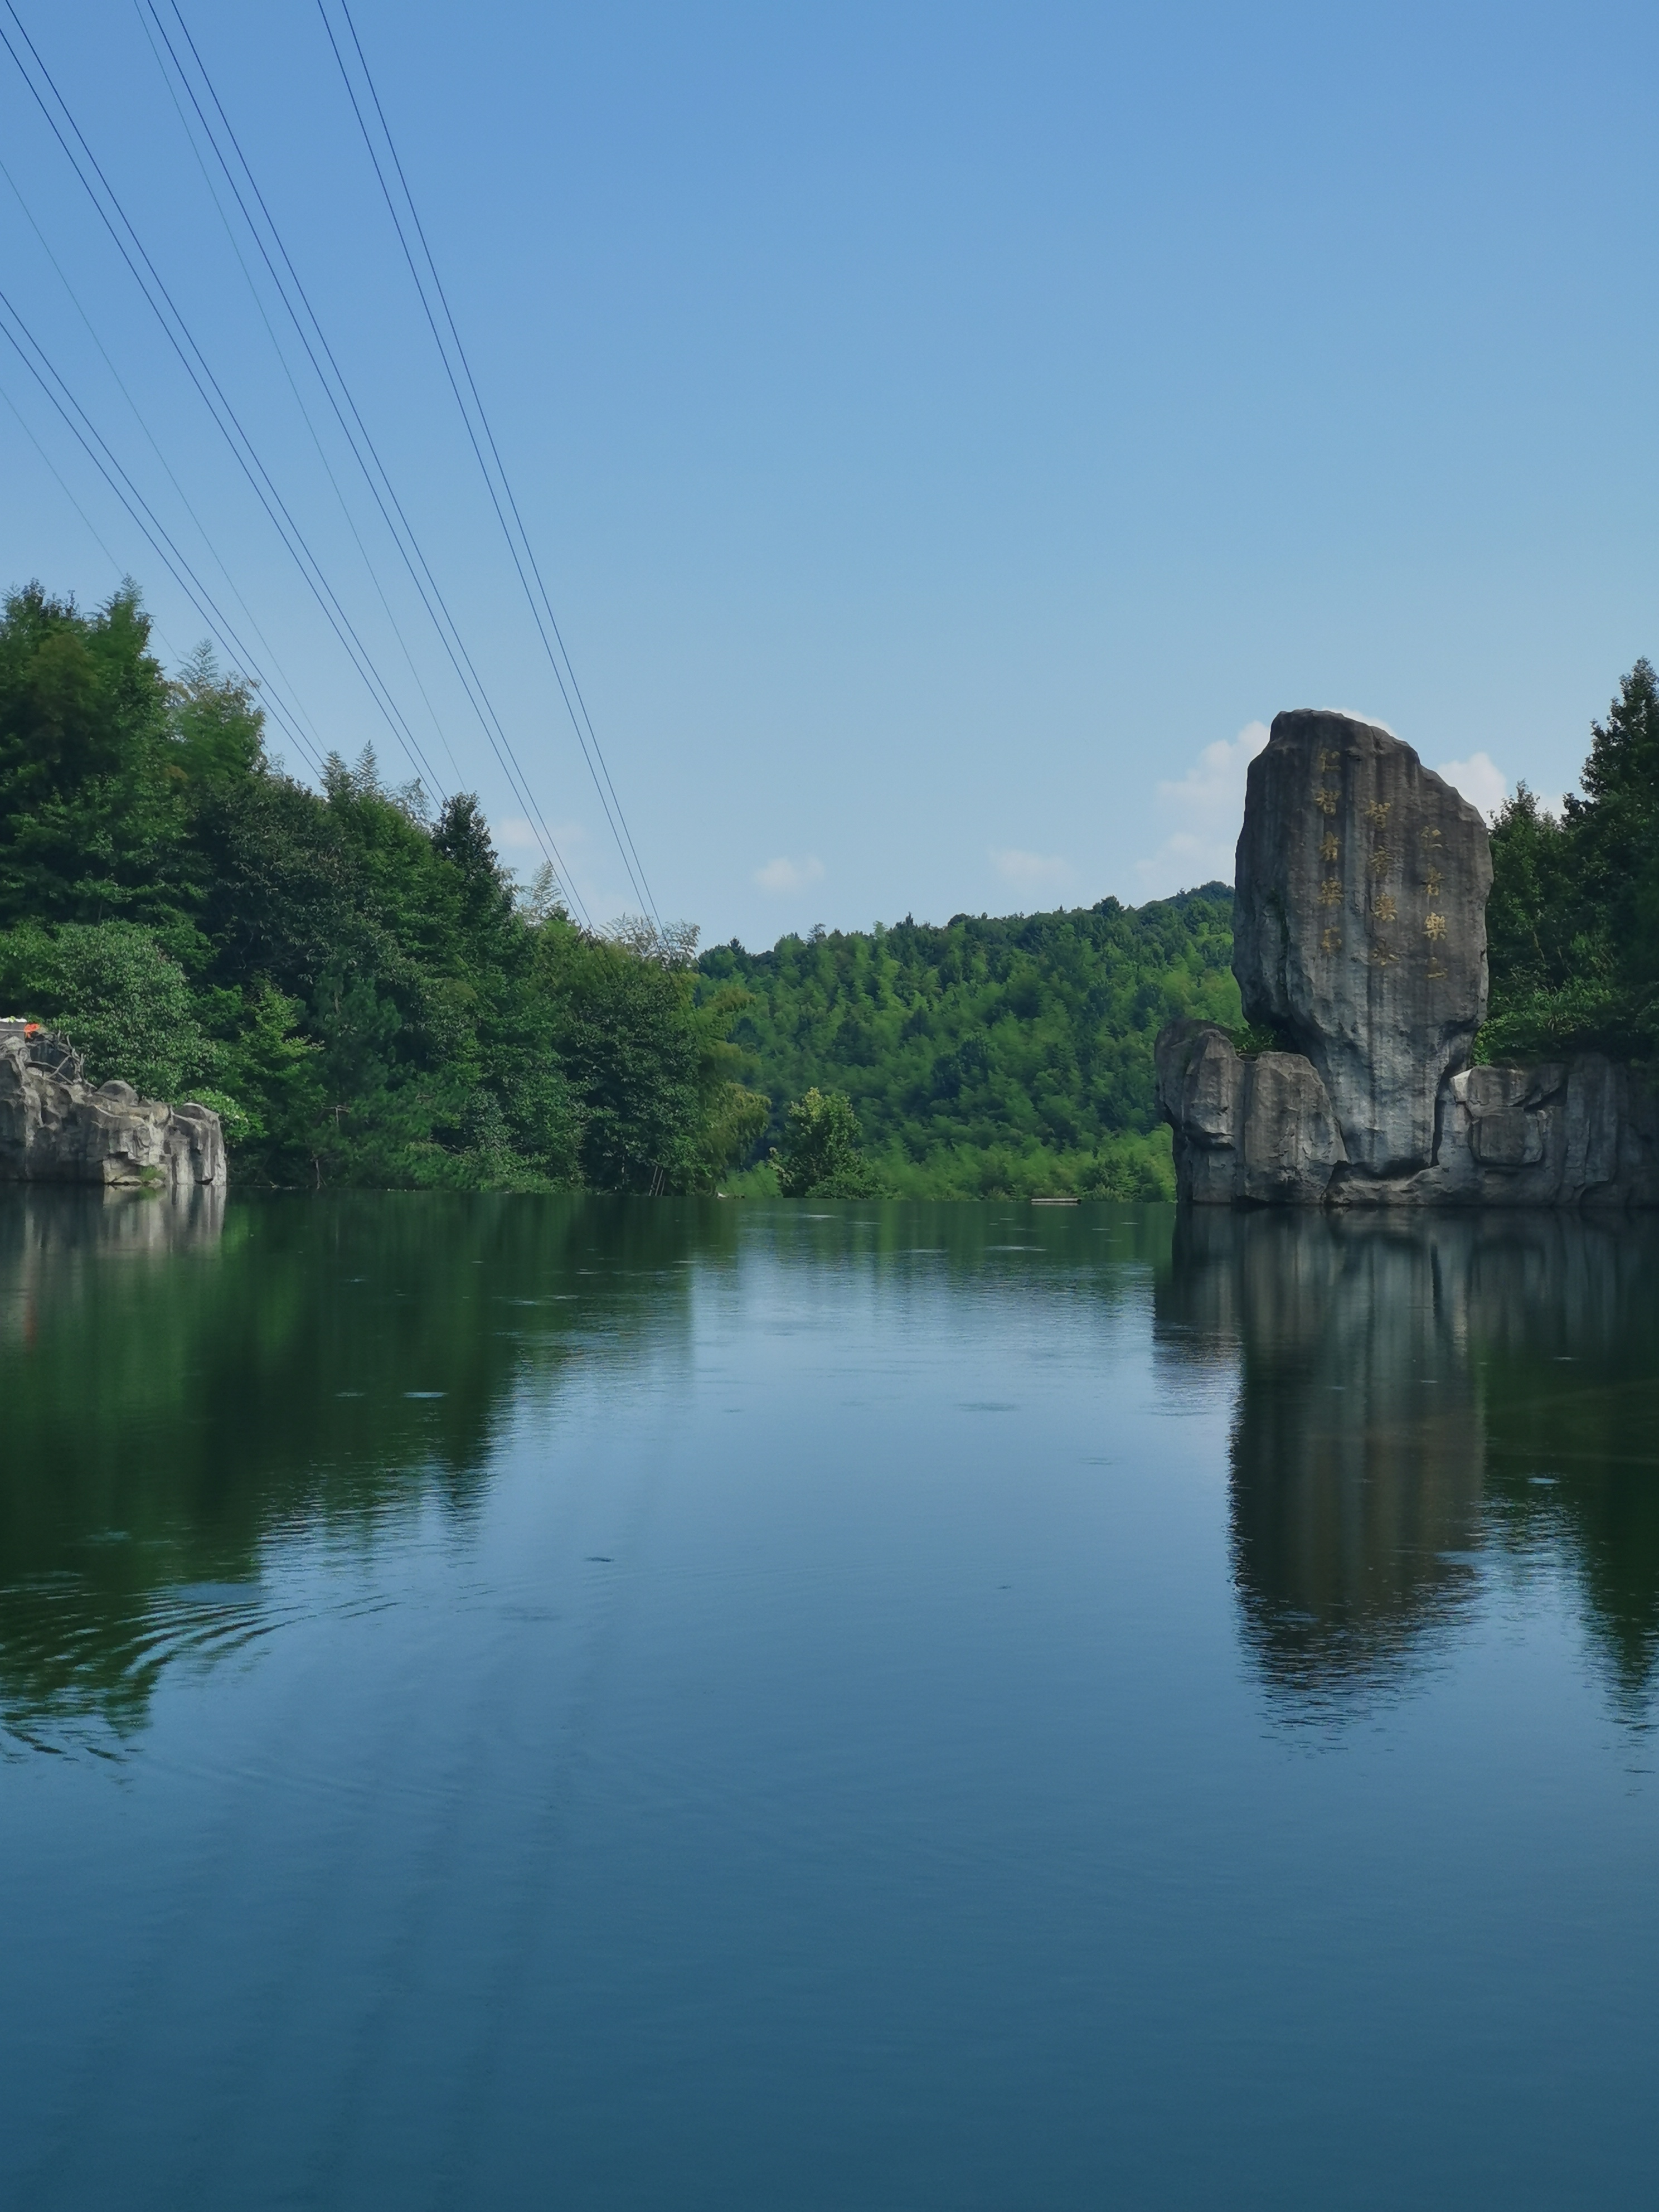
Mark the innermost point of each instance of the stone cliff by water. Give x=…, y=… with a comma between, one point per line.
x=1360, y=941
x=56, y=1128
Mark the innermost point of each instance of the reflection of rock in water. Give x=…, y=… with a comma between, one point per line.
x=1357, y=1448
x=44, y=1232
x=1413, y=1390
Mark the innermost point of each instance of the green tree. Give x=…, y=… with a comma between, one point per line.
x=354, y=980
x=819, y=1157
x=117, y=997
x=1572, y=924
x=88, y=813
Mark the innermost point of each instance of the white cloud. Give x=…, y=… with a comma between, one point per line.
x=783, y=875
x=1017, y=867
x=1208, y=802
x=1480, y=779
x=513, y=835
x=1353, y=714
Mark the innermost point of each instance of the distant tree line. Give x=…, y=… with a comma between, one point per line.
x=352, y=978
x=985, y=1057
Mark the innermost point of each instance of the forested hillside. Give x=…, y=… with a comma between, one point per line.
x=989, y=1056
x=348, y=976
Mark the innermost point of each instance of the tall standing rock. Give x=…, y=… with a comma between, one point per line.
x=1359, y=929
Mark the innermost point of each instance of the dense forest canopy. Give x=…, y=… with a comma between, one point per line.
x=989, y=1056
x=1572, y=924
x=352, y=978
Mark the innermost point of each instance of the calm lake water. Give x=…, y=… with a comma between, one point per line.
x=522, y=1703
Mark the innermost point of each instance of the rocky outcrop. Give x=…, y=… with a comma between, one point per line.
x=56, y=1128
x=1258, y=1129
x=1359, y=932
x=1579, y=1132
x=1359, y=940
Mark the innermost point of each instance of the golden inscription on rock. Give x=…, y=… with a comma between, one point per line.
x=1329, y=848
x=1435, y=926
x=1376, y=810
x=1431, y=883
x=1378, y=862
x=1430, y=835
x=1329, y=758
x=1384, y=908
x=1383, y=956
x=1325, y=798
x=1330, y=892
x=1331, y=941
x=1437, y=973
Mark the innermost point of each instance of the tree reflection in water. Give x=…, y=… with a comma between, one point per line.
x=185, y=1383
x=193, y=1390
x=1419, y=1396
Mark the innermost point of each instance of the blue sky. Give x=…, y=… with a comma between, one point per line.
x=947, y=434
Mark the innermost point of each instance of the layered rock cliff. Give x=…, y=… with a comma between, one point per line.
x=1359, y=940
x=56, y=1128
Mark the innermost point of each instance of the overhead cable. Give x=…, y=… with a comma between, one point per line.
x=277, y=347
x=35, y=358
x=137, y=416
x=213, y=397
x=92, y=530
x=363, y=448
x=517, y=545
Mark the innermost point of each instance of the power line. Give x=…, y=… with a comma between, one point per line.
x=218, y=558
x=376, y=477
x=93, y=532
x=224, y=414
x=91, y=527
x=581, y=722
x=35, y=359
x=299, y=400
x=363, y=448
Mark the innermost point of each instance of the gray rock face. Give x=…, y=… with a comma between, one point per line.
x=1360, y=928
x=1258, y=1129
x=55, y=1128
x=1579, y=1132
x=1359, y=935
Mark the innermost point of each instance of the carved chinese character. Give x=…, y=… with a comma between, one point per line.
x=1435, y=926
x=1430, y=835
x=1331, y=941
x=1437, y=973
x=1330, y=892
x=1376, y=810
x=1431, y=883
x=1384, y=908
x=1329, y=758
x=1383, y=956
x=1325, y=798
x=1329, y=848
x=1378, y=862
